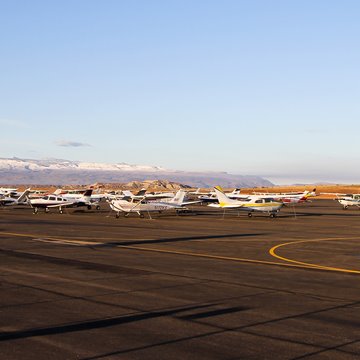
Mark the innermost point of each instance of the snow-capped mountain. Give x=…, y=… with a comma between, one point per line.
x=59, y=164
x=59, y=172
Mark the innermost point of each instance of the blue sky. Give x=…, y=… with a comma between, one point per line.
x=269, y=88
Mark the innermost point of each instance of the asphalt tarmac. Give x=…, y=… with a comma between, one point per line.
x=85, y=285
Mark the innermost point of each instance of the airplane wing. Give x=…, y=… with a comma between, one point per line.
x=190, y=202
x=65, y=204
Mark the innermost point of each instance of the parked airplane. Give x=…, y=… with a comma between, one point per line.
x=10, y=201
x=56, y=201
x=85, y=196
x=349, y=200
x=8, y=191
x=268, y=205
x=211, y=197
x=145, y=206
x=177, y=199
x=142, y=194
x=286, y=198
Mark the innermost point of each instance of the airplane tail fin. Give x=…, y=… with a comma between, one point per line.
x=128, y=194
x=311, y=193
x=222, y=198
x=88, y=193
x=236, y=191
x=178, y=199
x=24, y=196
x=141, y=192
x=57, y=192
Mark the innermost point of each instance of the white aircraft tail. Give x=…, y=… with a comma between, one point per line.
x=128, y=194
x=179, y=197
x=24, y=196
x=222, y=198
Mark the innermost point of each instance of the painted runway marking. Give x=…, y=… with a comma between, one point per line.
x=273, y=253
x=288, y=262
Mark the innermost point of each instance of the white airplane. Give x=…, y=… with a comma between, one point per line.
x=250, y=205
x=56, y=201
x=10, y=201
x=141, y=194
x=144, y=206
x=349, y=200
x=8, y=191
x=286, y=198
x=198, y=192
x=85, y=196
x=177, y=199
x=210, y=197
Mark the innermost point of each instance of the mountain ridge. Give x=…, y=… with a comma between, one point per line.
x=60, y=171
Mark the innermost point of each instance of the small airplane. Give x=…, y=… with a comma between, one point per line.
x=141, y=194
x=250, y=205
x=56, y=201
x=145, y=206
x=210, y=197
x=83, y=196
x=177, y=199
x=349, y=200
x=10, y=201
x=286, y=198
x=8, y=191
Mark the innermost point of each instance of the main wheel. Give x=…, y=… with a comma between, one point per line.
x=35, y=211
x=249, y=215
x=47, y=210
x=345, y=207
x=97, y=207
x=142, y=216
x=117, y=215
x=272, y=215
x=89, y=207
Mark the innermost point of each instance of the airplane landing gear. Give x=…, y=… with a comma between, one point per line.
x=36, y=210
x=249, y=214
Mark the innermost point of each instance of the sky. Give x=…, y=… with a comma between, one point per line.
x=250, y=87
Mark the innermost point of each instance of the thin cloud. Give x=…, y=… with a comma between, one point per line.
x=67, y=143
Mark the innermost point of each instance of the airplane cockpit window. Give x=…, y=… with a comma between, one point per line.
x=52, y=198
x=259, y=201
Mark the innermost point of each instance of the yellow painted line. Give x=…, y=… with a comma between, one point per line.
x=186, y=253
x=273, y=253
x=288, y=262
x=216, y=257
